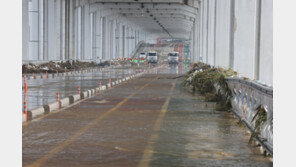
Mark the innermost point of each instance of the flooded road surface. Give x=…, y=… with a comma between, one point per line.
x=149, y=121
x=43, y=91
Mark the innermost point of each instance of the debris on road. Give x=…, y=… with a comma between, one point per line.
x=53, y=67
x=210, y=82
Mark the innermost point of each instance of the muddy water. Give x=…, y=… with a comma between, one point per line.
x=141, y=130
x=195, y=135
x=43, y=91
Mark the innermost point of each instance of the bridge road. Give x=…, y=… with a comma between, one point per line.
x=149, y=121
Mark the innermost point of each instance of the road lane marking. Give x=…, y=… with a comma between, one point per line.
x=61, y=146
x=148, y=152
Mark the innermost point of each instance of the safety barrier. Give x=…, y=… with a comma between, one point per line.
x=246, y=97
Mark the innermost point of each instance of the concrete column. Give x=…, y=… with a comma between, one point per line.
x=257, y=40
x=106, y=39
x=138, y=37
x=211, y=32
x=51, y=36
x=41, y=29
x=130, y=34
x=72, y=34
x=87, y=47
x=57, y=29
x=34, y=30
x=127, y=41
x=110, y=40
x=245, y=37
x=114, y=38
x=103, y=44
x=78, y=32
x=134, y=39
x=123, y=41
x=82, y=32
x=67, y=28
x=98, y=42
x=191, y=49
x=204, y=31
x=45, y=30
x=117, y=43
x=25, y=29
x=215, y=31
x=100, y=35
x=92, y=36
x=231, y=34
x=63, y=30
x=266, y=42
x=120, y=39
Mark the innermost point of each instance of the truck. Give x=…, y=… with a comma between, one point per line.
x=152, y=57
x=173, y=57
x=142, y=55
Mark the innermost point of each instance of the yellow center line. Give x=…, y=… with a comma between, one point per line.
x=61, y=146
x=148, y=152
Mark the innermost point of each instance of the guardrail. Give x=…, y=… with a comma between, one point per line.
x=246, y=97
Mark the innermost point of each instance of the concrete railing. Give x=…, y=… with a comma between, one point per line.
x=246, y=97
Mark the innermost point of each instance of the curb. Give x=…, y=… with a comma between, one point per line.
x=74, y=98
x=65, y=102
x=36, y=112
x=50, y=107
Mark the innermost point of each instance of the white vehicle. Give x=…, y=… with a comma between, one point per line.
x=173, y=57
x=152, y=57
x=142, y=55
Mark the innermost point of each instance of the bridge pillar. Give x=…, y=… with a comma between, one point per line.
x=114, y=39
x=127, y=41
x=25, y=30
x=117, y=43
x=120, y=40
x=104, y=38
x=98, y=36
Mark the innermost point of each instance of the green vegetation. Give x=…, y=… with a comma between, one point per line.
x=260, y=118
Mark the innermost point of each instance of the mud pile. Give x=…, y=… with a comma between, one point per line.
x=52, y=67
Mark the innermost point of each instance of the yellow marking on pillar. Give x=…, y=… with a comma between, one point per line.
x=149, y=150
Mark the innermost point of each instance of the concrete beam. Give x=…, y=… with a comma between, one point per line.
x=158, y=6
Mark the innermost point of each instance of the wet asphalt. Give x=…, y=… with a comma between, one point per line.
x=148, y=121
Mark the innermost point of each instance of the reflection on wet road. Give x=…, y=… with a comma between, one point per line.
x=43, y=91
x=149, y=122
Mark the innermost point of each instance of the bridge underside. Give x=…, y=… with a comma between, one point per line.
x=224, y=33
